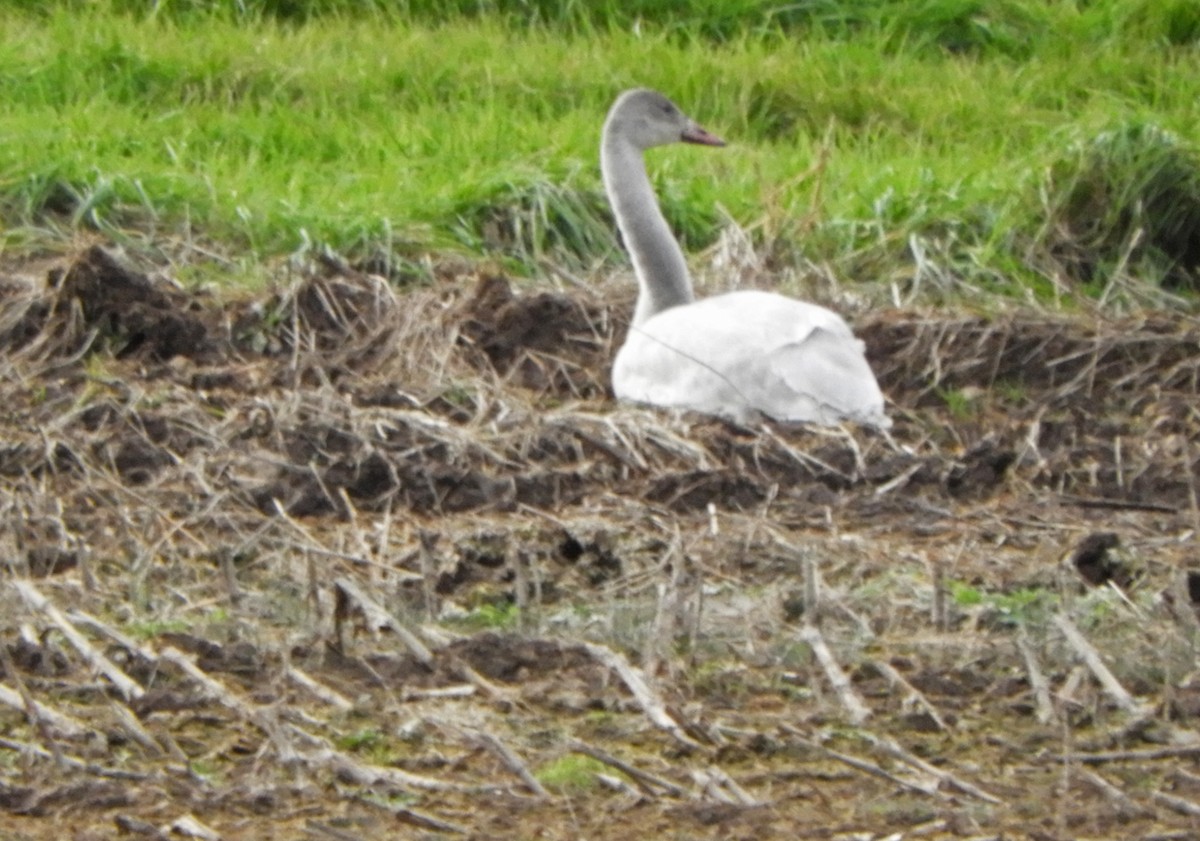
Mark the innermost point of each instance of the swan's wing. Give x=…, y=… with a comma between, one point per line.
x=825, y=378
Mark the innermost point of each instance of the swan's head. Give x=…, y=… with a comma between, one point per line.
x=647, y=118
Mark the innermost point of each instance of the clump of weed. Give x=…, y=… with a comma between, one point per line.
x=361, y=739
x=1174, y=22
x=540, y=219
x=1129, y=200
x=970, y=27
x=1021, y=606
x=153, y=628
x=961, y=403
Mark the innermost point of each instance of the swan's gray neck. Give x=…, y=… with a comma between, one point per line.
x=663, y=280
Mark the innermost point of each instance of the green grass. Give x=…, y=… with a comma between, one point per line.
x=278, y=125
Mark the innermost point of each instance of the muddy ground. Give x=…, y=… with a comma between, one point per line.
x=342, y=561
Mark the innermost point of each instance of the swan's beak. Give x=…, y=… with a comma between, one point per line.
x=694, y=134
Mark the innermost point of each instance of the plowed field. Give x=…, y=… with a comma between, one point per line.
x=342, y=561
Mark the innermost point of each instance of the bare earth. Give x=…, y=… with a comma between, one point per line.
x=347, y=562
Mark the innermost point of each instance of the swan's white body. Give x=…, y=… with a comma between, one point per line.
x=747, y=353
x=736, y=355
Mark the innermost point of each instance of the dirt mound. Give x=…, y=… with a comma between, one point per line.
x=402, y=558
x=543, y=342
x=98, y=298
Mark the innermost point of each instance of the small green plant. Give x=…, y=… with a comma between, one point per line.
x=1015, y=607
x=367, y=739
x=459, y=395
x=392, y=801
x=1028, y=604
x=218, y=615
x=1012, y=392
x=501, y=616
x=571, y=773
x=965, y=595
x=206, y=770
x=962, y=404
x=155, y=627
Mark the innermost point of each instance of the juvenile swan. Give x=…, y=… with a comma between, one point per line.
x=736, y=355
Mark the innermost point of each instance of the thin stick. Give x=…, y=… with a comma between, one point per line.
x=511, y=760
x=73, y=762
x=812, y=589
x=913, y=694
x=128, y=687
x=319, y=690
x=325, y=831
x=892, y=748
x=1177, y=804
x=647, y=699
x=1124, y=804
x=461, y=690
x=1117, y=504
x=617, y=784
x=867, y=767
x=1095, y=663
x=428, y=543
x=645, y=779
x=415, y=818
x=370, y=775
x=125, y=641
x=189, y=827
x=854, y=705
x=28, y=705
x=939, y=615
x=379, y=618
x=1149, y=754
x=720, y=786
x=409, y=816
x=1037, y=680
x=261, y=717
x=496, y=693
x=65, y=725
x=134, y=729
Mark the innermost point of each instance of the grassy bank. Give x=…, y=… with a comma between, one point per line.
x=1009, y=149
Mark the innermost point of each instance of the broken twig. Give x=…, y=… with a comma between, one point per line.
x=647, y=699
x=857, y=710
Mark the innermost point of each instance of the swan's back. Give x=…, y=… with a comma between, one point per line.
x=747, y=353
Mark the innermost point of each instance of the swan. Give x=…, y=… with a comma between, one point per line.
x=740, y=354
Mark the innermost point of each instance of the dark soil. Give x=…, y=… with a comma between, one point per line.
x=355, y=564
